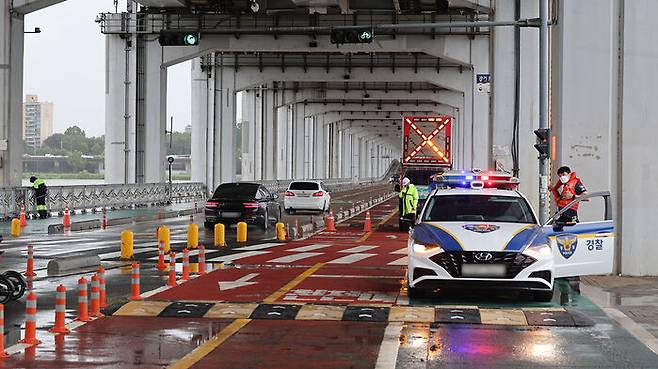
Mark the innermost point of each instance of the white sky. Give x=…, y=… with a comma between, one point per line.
x=65, y=64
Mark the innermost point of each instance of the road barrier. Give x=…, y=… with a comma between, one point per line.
x=15, y=227
x=161, y=264
x=134, y=283
x=220, y=235
x=242, y=232
x=280, y=231
x=127, y=244
x=202, y=260
x=95, y=297
x=192, y=236
x=29, y=270
x=164, y=235
x=62, y=265
x=60, y=311
x=3, y=353
x=101, y=281
x=83, y=306
x=186, y=265
x=172, y=269
x=31, y=320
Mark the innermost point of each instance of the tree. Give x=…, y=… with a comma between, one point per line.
x=53, y=142
x=181, y=144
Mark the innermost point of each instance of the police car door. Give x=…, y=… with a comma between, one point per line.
x=585, y=248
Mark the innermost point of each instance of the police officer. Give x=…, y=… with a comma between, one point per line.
x=568, y=188
x=409, y=198
x=41, y=194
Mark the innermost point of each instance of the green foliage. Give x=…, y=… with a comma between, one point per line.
x=181, y=144
x=73, y=140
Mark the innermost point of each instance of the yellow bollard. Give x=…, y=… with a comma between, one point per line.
x=15, y=227
x=127, y=245
x=164, y=235
x=220, y=235
x=242, y=232
x=280, y=231
x=192, y=236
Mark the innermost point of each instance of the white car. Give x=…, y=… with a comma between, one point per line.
x=306, y=195
x=489, y=238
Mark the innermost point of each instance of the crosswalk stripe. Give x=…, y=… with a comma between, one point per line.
x=309, y=247
x=400, y=261
x=294, y=257
x=178, y=255
x=358, y=249
x=349, y=259
x=115, y=254
x=237, y=256
x=402, y=251
x=259, y=247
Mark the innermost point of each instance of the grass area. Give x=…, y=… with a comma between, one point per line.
x=78, y=175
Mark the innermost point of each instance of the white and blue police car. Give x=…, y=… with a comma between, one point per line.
x=477, y=231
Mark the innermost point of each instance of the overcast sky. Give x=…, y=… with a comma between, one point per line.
x=65, y=64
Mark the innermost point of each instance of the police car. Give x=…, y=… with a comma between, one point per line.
x=477, y=231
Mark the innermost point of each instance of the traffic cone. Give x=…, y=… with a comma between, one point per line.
x=101, y=281
x=29, y=272
x=367, y=225
x=83, y=305
x=161, y=264
x=3, y=353
x=66, y=221
x=331, y=225
x=22, y=217
x=95, y=297
x=134, y=283
x=202, y=259
x=60, y=311
x=186, y=265
x=172, y=269
x=31, y=320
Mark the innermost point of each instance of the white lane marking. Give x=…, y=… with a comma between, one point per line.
x=294, y=257
x=144, y=245
x=153, y=292
x=349, y=259
x=115, y=254
x=402, y=251
x=400, y=261
x=63, y=240
x=388, y=351
x=357, y=249
x=14, y=349
x=240, y=282
x=309, y=247
x=633, y=328
x=238, y=256
x=259, y=247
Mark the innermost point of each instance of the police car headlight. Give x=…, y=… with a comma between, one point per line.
x=423, y=248
x=541, y=250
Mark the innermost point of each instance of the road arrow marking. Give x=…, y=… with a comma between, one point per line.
x=240, y=282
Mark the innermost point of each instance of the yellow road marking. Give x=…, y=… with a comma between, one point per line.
x=207, y=347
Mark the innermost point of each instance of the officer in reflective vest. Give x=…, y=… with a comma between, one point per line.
x=568, y=188
x=41, y=194
x=409, y=197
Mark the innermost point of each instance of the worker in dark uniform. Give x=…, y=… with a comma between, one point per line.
x=41, y=194
x=568, y=188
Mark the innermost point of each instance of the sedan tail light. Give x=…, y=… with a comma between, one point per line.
x=213, y=204
x=318, y=194
x=290, y=194
x=251, y=205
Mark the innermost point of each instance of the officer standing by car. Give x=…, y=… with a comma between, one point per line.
x=409, y=198
x=41, y=194
x=568, y=188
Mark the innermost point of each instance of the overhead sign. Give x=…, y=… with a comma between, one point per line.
x=426, y=140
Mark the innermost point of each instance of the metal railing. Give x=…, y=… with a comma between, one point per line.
x=97, y=196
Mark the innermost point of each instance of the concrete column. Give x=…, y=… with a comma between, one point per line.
x=248, y=135
x=199, y=120
x=270, y=129
x=356, y=157
x=320, y=144
x=256, y=115
x=119, y=117
x=153, y=158
x=480, y=142
x=298, y=124
x=11, y=96
x=284, y=145
x=345, y=153
x=224, y=132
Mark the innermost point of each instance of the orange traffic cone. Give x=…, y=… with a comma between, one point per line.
x=3, y=353
x=22, y=217
x=331, y=226
x=31, y=320
x=367, y=225
x=67, y=217
x=60, y=311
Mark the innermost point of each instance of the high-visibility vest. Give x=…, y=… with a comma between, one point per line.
x=409, y=196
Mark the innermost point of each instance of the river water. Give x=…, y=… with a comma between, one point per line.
x=72, y=182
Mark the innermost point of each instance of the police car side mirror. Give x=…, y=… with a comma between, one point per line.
x=410, y=222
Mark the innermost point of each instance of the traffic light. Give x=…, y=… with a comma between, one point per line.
x=178, y=38
x=352, y=35
x=542, y=145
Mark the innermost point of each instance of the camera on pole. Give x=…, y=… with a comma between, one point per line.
x=543, y=143
x=352, y=35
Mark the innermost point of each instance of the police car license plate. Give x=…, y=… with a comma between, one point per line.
x=476, y=270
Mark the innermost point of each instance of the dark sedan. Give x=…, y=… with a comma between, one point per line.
x=242, y=201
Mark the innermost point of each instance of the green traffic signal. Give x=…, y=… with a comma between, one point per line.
x=191, y=39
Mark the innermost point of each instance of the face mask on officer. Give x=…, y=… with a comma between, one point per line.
x=564, y=178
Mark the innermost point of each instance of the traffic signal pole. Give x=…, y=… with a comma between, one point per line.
x=544, y=205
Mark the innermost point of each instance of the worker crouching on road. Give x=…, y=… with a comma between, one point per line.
x=41, y=194
x=409, y=198
x=568, y=188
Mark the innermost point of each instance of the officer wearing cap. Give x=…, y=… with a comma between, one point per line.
x=41, y=194
x=409, y=198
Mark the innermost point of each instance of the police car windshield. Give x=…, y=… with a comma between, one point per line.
x=483, y=208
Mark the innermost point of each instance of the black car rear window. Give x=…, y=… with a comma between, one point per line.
x=486, y=208
x=304, y=186
x=236, y=190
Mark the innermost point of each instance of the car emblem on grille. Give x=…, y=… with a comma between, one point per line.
x=481, y=228
x=483, y=256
